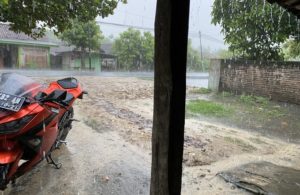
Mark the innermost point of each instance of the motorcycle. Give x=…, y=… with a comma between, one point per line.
x=34, y=121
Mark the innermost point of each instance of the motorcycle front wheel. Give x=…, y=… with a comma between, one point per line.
x=3, y=173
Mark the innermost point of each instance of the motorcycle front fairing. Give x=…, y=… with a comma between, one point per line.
x=19, y=86
x=11, y=122
x=32, y=132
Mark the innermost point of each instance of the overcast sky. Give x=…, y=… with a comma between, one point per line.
x=142, y=13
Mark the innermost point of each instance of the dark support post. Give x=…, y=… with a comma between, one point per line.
x=171, y=37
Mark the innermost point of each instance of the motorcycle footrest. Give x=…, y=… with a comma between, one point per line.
x=58, y=142
x=74, y=120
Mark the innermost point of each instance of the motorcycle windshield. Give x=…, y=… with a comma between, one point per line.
x=18, y=85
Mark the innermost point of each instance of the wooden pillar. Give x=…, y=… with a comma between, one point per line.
x=171, y=37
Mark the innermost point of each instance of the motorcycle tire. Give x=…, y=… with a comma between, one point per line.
x=66, y=124
x=3, y=172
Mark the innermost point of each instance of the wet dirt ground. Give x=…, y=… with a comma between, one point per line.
x=93, y=163
x=109, y=151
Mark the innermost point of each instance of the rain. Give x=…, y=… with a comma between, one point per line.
x=87, y=117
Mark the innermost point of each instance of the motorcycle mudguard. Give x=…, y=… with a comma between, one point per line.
x=9, y=156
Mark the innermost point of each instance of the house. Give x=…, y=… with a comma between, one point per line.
x=18, y=50
x=109, y=61
x=68, y=57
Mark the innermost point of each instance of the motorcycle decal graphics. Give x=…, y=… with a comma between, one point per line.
x=41, y=125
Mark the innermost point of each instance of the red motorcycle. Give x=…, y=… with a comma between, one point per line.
x=34, y=121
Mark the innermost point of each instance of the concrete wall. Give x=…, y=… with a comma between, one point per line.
x=33, y=57
x=275, y=80
x=214, y=75
x=95, y=63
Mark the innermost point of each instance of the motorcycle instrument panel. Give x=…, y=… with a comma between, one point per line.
x=11, y=102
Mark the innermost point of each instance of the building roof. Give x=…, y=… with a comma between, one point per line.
x=9, y=37
x=292, y=6
x=105, y=50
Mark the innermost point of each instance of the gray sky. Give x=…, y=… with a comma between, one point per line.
x=142, y=13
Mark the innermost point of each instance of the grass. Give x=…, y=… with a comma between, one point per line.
x=226, y=94
x=262, y=106
x=253, y=100
x=241, y=143
x=208, y=108
x=257, y=140
x=201, y=90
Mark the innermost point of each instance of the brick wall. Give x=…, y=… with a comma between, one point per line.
x=275, y=80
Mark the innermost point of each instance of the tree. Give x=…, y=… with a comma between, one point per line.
x=85, y=36
x=148, y=50
x=194, y=61
x=254, y=29
x=33, y=16
x=127, y=47
x=193, y=58
x=291, y=49
x=134, y=50
x=224, y=54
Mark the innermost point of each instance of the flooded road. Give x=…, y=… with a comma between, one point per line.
x=194, y=79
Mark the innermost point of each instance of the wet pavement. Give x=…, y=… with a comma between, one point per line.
x=93, y=163
x=195, y=79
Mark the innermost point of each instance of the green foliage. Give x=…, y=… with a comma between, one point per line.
x=224, y=54
x=201, y=90
x=291, y=50
x=254, y=29
x=194, y=61
x=34, y=16
x=148, y=50
x=252, y=100
x=208, y=108
x=257, y=140
x=85, y=36
x=135, y=51
x=246, y=146
x=226, y=94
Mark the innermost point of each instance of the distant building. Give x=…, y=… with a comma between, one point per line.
x=67, y=57
x=109, y=61
x=18, y=50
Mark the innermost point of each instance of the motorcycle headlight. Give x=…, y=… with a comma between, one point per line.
x=16, y=125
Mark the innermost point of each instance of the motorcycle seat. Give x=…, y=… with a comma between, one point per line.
x=68, y=83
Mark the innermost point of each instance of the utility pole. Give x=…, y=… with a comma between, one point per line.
x=201, y=52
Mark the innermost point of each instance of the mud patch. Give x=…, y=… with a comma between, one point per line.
x=264, y=178
x=125, y=114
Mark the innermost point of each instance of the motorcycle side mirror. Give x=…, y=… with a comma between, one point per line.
x=83, y=93
x=56, y=95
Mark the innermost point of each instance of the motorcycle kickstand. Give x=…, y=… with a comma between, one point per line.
x=13, y=182
x=50, y=161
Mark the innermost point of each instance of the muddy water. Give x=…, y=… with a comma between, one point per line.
x=93, y=163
